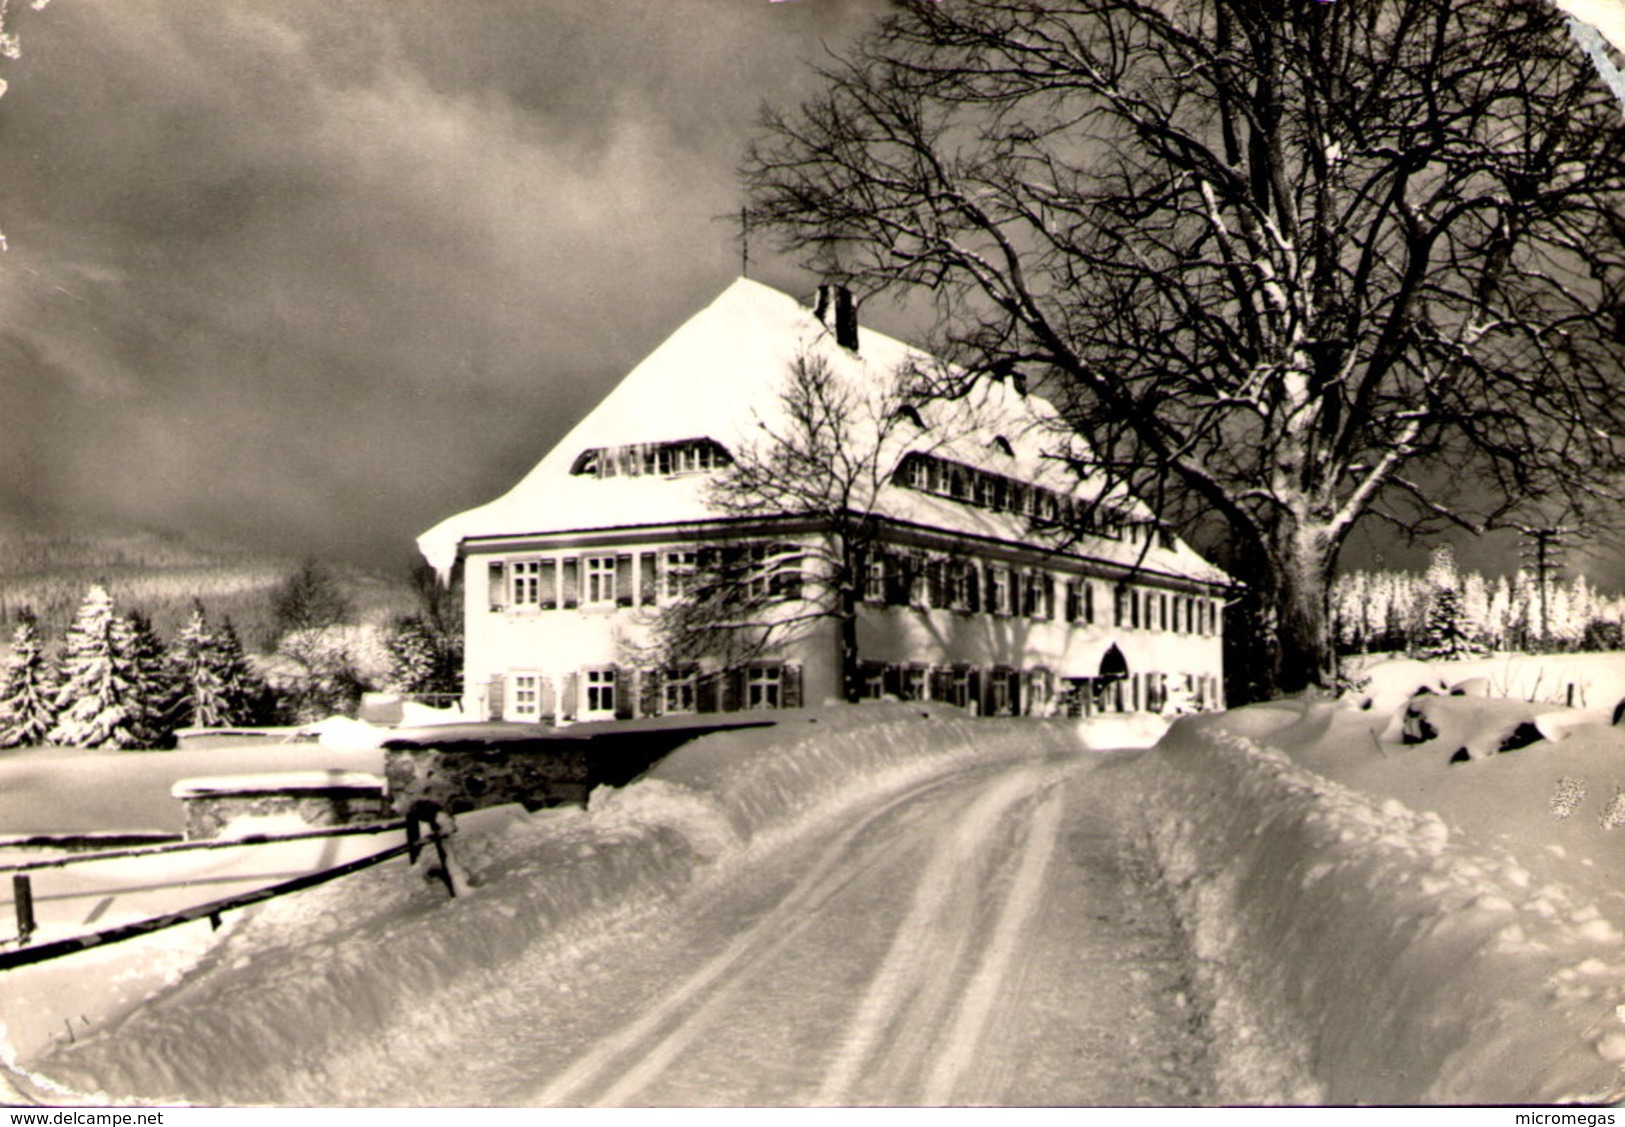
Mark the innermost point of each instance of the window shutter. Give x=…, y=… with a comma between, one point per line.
x=623, y=580
x=568, y=695
x=648, y=578
x=649, y=690
x=733, y=690
x=942, y=684
x=973, y=691
x=572, y=583
x=625, y=679
x=494, y=697
x=497, y=584
x=549, y=699
x=1074, y=604
x=1047, y=581
x=787, y=580
x=705, y=692
x=548, y=596
x=790, y=691
x=1088, y=602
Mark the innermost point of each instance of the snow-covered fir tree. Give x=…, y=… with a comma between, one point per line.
x=28, y=691
x=1475, y=605
x=96, y=700
x=1444, y=633
x=1499, y=615
x=195, y=659
x=153, y=680
x=245, y=691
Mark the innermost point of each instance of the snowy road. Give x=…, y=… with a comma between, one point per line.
x=985, y=938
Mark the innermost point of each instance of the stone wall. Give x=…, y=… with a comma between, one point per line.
x=466, y=777
x=208, y=815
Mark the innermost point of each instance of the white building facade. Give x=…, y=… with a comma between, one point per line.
x=969, y=596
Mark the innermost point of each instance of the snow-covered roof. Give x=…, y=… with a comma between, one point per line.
x=721, y=375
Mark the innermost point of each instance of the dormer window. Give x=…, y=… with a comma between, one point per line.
x=665, y=459
x=1002, y=445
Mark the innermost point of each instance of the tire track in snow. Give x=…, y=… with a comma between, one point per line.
x=926, y=946
x=652, y=1040
x=1020, y=907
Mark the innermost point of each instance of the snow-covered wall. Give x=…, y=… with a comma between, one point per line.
x=1355, y=953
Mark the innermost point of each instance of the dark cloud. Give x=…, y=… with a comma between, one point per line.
x=318, y=274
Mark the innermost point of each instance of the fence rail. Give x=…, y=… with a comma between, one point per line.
x=25, y=955
x=197, y=846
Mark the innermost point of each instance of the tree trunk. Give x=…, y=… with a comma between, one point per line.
x=1297, y=602
x=847, y=640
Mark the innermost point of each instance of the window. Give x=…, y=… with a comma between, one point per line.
x=960, y=585
x=601, y=692
x=526, y=583
x=679, y=575
x=874, y=578
x=677, y=690
x=873, y=676
x=984, y=490
x=524, y=701
x=914, y=682
x=764, y=686
x=600, y=579
x=918, y=473
x=998, y=590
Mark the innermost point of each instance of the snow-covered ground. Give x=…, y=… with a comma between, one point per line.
x=1378, y=923
x=1366, y=921
x=66, y=790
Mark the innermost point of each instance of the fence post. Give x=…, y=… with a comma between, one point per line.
x=22, y=891
x=445, y=863
x=414, y=834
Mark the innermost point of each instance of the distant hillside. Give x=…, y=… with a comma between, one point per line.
x=49, y=570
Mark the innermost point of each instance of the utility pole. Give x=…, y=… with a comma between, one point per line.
x=1543, y=552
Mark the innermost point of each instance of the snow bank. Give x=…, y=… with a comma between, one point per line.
x=301, y=1001
x=1357, y=951
x=1580, y=680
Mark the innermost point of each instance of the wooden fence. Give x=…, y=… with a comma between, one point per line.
x=22, y=887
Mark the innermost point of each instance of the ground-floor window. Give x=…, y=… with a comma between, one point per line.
x=677, y=693
x=524, y=696
x=763, y=687
x=600, y=685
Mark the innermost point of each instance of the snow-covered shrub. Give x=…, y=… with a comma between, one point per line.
x=1567, y=796
x=1613, y=814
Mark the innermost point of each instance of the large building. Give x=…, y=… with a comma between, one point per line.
x=999, y=578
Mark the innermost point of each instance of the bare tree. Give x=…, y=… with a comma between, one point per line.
x=813, y=476
x=1287, y=266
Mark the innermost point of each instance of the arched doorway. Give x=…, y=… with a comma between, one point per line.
x=1110, y=682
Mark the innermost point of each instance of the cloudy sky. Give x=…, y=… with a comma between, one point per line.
x=314, y=274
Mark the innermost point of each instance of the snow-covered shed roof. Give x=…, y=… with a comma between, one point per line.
x=720, y=377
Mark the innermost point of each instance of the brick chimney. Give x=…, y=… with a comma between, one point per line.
x=839, y=313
